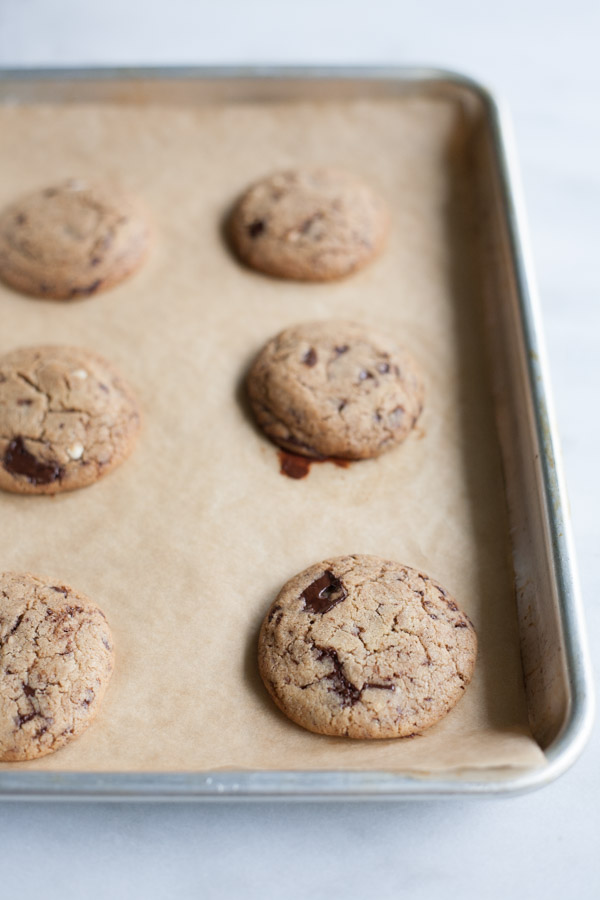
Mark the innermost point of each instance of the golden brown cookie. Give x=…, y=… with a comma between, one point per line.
x=335, y=389
x=309, y=224
x=56, y=659
x=66, y=419
x=71, y=240
x=362, y=647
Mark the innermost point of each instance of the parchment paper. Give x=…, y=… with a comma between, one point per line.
x=185, y=546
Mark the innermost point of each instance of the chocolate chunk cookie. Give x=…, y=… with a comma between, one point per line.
x=335, y=389
x=56, y=659
x=362, y=647
x=71, y=240
x=309, y=224
x=66, y=419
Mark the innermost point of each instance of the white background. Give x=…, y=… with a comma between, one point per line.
x=543, y=58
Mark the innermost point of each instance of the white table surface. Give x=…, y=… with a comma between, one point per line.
x=543, y=58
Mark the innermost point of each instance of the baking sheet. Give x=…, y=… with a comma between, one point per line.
x=186, y=544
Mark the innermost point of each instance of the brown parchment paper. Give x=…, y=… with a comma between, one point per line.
x=185, y=546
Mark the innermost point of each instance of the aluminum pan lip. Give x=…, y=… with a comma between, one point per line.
x=331, y=785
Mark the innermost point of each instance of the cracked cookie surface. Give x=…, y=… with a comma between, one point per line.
x=71, y=240
x=66, y=419
x=309, y=224
x=362, y=647
x=56, y=659
x=335, y=389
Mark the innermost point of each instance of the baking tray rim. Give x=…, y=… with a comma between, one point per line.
x=376, y=785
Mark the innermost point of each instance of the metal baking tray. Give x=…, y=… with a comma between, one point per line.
x=553, y=645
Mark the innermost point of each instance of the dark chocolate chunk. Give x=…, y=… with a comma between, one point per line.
x=89, y=696
x=86, y=291
x=348, y=693
x=310, y=357
x=255, y=228
x=324, y=593
x=17, y=623
x=383, y=368
x=19, y=461
x=20, y=720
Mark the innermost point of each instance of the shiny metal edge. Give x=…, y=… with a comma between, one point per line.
x=335, y=785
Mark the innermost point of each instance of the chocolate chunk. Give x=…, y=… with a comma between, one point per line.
x=28, y=691
x=383, y=368
x=348, y=693
x=20, y=720
x=343, y=348
x=427, y=606
x=255, y=228
x=60, y=590
x=364, y=374
x=324, y=593
x=71, y=610
x=310, y=357
x=19, y=461
x=380, y=687
x=24, y=402
x=86, y=291
x=17, y=623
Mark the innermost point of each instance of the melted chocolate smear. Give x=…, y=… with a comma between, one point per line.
x=324, y=593
x=380, y=687
x=19, y=461
x=295, y=466
x=348, y=693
